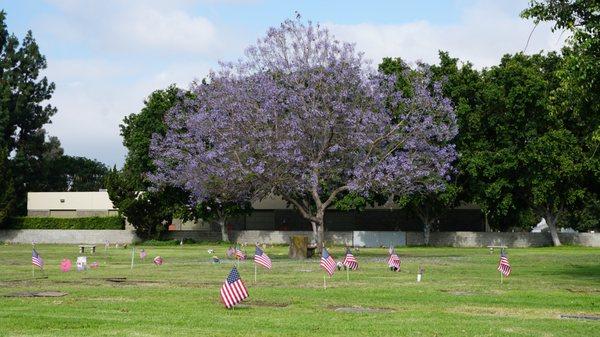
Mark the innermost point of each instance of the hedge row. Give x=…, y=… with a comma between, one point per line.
x=111, y=222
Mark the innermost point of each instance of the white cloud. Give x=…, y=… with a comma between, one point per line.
x=133, y=26
x=484, y=33
x=172, y=31
x=92, y=100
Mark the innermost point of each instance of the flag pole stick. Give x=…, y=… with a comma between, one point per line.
x=132, y=256
x=254, y=273
x=347, y=274
x=324, y=282
x=501, y=278
x=32, y=266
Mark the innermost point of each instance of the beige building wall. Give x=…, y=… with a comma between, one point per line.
x=69, y=204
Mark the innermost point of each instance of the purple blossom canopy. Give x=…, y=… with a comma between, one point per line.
x=303, y=114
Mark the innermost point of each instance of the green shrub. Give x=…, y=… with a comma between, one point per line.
x=168, y=242
x=111, y=222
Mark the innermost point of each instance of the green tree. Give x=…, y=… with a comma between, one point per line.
x=23, y=113
x=577, y=99
x=427, y=206
x=150, y=211
x=22, y=91
x=553, y=174
x=7, y=191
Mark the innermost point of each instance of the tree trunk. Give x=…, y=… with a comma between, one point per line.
x=423, y=214
x=486, y=222
x=426, y=231
x=314, y=229
x=224, y=235
x=320, y=237
x=551, y=222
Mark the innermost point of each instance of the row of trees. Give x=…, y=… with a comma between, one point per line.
x=303, y=118
x=30, y=160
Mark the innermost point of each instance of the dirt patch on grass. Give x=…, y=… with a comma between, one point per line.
x=583, y=290
x=584, y=317
x=124, y=281
x=358, y=309
x=24, y=280
x=37, y=294
x=503, y=312
x=256, y=303
x=459, y=292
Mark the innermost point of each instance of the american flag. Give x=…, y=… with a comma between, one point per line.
x=239, y=254
x=394, y=260
x=350, y=260
x=504, y=266
x=261, y=258
x=233, y=290
x=327, y=262
x=36, y=259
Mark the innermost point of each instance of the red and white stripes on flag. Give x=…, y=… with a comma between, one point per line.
x=233, y=290
x=394, y=261
x=261, y=258
x=239, y=254
x=327, y=262
x=350, y=260
x=504, y=266
x=36, y=259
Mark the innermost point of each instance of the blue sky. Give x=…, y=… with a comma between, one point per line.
x=106, y=56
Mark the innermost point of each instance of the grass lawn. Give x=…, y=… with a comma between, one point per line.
x=460, y=295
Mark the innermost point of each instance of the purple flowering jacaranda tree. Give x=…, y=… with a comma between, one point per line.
x=302, y=116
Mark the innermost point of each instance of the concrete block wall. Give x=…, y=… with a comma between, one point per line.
x=283, y=237
x=437, y=239
x=517, y=239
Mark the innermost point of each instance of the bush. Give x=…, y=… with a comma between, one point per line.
x=111, y=222
x=169, y=242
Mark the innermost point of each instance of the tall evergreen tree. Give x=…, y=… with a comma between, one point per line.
x=7, y=190
x=23, y=112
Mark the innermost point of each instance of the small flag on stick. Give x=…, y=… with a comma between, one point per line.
x=503, y=265
x=327, y=262
x=394, y=260
x=36, y=259
x=233, y=290
x=239, y=254
x=350, y=261
x=143, y=254
x=261, y=258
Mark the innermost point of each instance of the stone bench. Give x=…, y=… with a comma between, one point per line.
x=491, y=247
x=83, y=247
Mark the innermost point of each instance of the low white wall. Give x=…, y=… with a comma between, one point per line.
x=517, y=239
x=437, y=239
x=71, y=236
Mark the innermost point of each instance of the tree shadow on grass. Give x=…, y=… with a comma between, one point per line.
x=590, y=272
